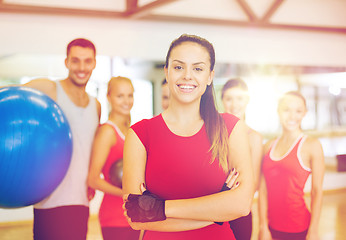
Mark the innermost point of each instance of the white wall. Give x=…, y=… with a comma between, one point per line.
x=22, y=33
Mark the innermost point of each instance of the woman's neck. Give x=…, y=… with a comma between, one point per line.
x=183, y=120
x=184, y=113
x=122, y=121
x=289, y=135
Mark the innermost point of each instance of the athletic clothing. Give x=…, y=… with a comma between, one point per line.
x=285, y=180
x=180, y=167
x=72, y=191
x=60, y=223
x=119, y=233
x=242, y=227
x=111, y=214
x=287, y=235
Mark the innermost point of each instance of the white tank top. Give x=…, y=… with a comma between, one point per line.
x=83, y=122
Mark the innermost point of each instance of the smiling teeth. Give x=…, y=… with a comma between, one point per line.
x=81, y=75
x=186, y=87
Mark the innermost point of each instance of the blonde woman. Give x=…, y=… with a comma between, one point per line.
x=108, y=150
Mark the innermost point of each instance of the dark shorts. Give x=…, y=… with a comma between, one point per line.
x=242, y=227
x=287, y=235
x=117, y=233
x=67, y=222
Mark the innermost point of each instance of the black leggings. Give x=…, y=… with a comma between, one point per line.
x=288, y=236
x=67, y=222
x=119, y=233
x=242, y=227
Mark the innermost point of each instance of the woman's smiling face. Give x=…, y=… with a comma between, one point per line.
x=188, y=72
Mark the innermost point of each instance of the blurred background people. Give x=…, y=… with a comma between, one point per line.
x=235, y=98
x=64, y=214
x=288, y=162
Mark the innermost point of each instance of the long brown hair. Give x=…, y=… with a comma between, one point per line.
x=214, y=123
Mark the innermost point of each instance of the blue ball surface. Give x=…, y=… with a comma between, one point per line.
x=35, y=146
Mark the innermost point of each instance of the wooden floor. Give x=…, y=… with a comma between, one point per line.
x=332, y=223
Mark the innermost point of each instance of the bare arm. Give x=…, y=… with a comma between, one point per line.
x=256, y=148
x=104, y=139
x=215, y=207
x=317, y=170
x=46, y=86
x=264, y=233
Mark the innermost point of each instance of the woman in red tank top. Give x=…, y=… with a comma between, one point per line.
x=235, y=98
x=184, y=154
x=287, y=163
x=108, y=150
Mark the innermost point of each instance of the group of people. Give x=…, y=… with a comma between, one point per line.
x=189, y=172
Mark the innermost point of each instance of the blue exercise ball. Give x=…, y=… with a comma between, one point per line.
x=35, y=146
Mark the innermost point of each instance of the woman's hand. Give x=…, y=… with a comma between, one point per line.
x=231, y=182
x=145, y=207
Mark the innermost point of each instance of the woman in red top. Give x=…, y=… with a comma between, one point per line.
x=108, y=149
x=287, y=163
x=184, y=155
x=235, y=98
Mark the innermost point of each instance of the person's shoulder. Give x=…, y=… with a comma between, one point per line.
x=230, y=121
x=43, y=82
x=255, y=136
x=268, y=144
x=147, y=121
x=106, y=126
x=229, y=117
x=254, y=133
x=106, y=129
x=44, y=85
x=311, y=143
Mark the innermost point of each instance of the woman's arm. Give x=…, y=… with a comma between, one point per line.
x=134, y=177
x=256, y=147
x=227, y=205
x=170, y=225
x=264, y=233
x=104, y=139
x=317, y=171
x=222, y=206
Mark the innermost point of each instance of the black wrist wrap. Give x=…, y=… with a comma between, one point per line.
x=145, y=208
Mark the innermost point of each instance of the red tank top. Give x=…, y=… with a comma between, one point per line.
x=285, y=178
x=180, y=167
x=111, y=213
